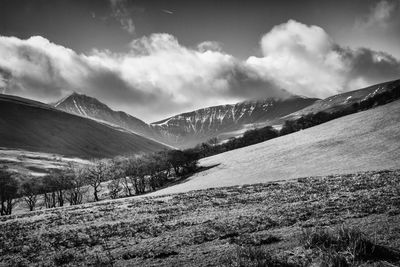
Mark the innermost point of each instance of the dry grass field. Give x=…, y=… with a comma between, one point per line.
x=272, y=224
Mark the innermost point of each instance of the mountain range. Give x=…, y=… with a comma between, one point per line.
x=193, y=127
x=224, y=121
x=188, y=129
x=82, y=126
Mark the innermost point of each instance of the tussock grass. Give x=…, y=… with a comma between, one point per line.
x=346, y=246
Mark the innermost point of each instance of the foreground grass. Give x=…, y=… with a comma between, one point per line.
x=293, y=223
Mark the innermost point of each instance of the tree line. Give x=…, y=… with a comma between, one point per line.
x=123, y=176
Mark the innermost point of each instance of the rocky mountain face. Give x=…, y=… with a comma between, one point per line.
x=197, y=126
x=188, y=129
x=90, y=107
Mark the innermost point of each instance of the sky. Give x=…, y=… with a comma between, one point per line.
x=155, y=59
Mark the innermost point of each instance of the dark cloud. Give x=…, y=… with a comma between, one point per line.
x=247, y=84
x=374, y=67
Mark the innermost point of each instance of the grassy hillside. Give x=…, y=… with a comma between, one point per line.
x=218, y=227
x=35, y=163
x=34, y=126
x=340, y=101
x=367, y=140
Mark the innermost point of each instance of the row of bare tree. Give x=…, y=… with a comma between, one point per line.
x=124, y=176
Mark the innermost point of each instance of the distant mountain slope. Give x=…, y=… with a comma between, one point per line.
x=34, y=126
x=196, y=126
x=363, y=141
x=187, y=129
x=90, y=107
x=340, y=101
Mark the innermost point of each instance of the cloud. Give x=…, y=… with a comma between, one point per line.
x=380, y=15
x=209, y=45
x=39, y=69
x=158, y=77
x=123, y=14
x=305, y=60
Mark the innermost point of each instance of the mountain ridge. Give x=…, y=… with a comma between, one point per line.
x=38, y=127
x=340, y=101
x=182, y=132
x=213, y=121
x=223, y=121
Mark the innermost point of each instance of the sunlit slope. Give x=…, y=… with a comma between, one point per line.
x=34, y=126
x=368, y=140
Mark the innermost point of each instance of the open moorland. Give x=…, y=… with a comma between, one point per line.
x=364, y=141
x=352, y=219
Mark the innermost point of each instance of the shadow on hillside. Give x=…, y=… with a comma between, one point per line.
x=184, y=178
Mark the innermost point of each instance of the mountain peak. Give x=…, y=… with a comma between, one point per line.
x=75, y=93
x=81, y=104
x=90, y=107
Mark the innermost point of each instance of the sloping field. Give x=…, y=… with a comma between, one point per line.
x=209, y=227
x=368, y=140
x=34, y=126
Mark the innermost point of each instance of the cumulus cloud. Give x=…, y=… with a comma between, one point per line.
x=159, y=77
x=305, y=60
x=45, y=71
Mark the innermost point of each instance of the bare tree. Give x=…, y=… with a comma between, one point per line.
x=116, y=171
x=30, y=191
x=48, y=188
x=77, y=189
x=96, y=174
x=114, y=187
x=135, y=171
x=8, y=191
